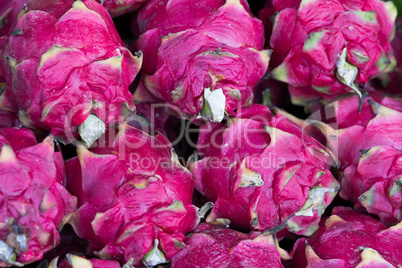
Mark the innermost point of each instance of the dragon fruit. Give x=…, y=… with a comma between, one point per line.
x=75, y=261
x=263, y=172
x=391, y=82
x=120, y=7
x=134, y=198
x=350, y=239
x=69, y=70
x=335, y=46
x=370, y=165
x=216, y=246
x=9, y=11
x=34, y=201
x=203, y=57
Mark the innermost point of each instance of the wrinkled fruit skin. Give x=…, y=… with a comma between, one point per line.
x=263, y=171
x=203, y=57
x=120, y=7
x=336, y=46
x=74, y=261
x=391, y=82
x=350, y=239
x=370, y=165
x=215, y=246
x=9, y=11
x=66, y=61
x=133, y=196
x=32, y=196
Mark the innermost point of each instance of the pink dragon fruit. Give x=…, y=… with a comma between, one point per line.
x=203, y=57
x=350, y=239
x=9, y=11
x=134, y=198
x=120, y=7
x=391, y=82
x=69, y=70
x=370, y=168
x=33, y=199
x=263, y=172
x=335, y=46
x=216, y=246
x=75, y=261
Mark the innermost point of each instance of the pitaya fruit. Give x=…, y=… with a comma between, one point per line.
x=9, y=11
x=69, y=70
x=120, y=7
x=350, y=239
x=391, y=82
x=203, y=57
x=216, y=246
x=370, y=168
x=75, y=261
x=134, y=198
x=330, y=48
x=263, y=172
x=33, y=199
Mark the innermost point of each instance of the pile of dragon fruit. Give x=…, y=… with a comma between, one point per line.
x=200, y=133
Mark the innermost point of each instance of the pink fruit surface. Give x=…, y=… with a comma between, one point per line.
x=75, y=261
x=368, y=146
x=33, y=199
x=391, y=82
x=8, y=119
x=350, y=239
x=330, y=48
x=134, y=198
x=263, y=171
x=203, y=57
x=216, y=246
x=120, y=7
x=67, y=70
x=9, y=11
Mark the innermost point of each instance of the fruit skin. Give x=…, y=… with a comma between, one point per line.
x=9, y=11
x=368, y=241
x=195, y=62
x=262, y=171
x=215, y=246
x=336, y=46
x=61, y=68
x=134, y=198
x=391, y=82
x=8, y=119
x=120, y=7
x=75, y=261
x=370, y=164
x=33, y=199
